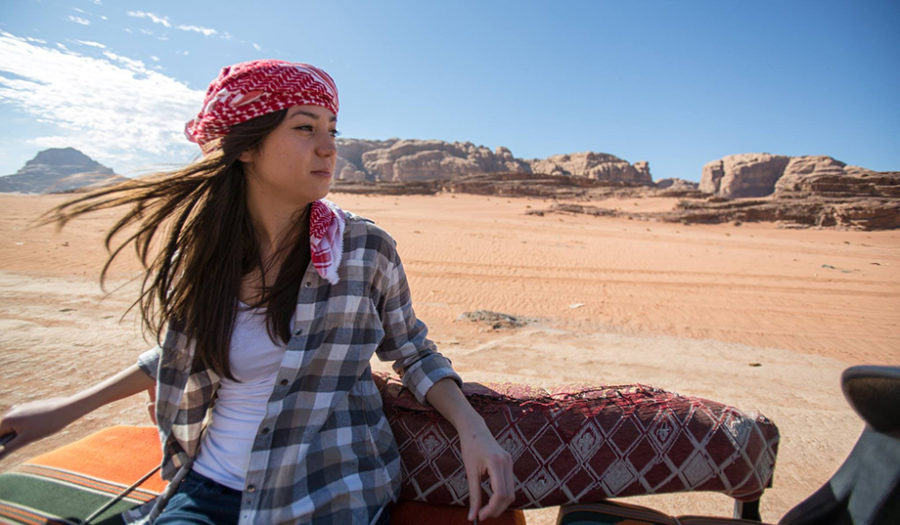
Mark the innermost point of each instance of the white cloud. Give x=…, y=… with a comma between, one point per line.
x=256, y=46
x=134, y=65
x=114, y=109
x=163, y=20
x=205, y=31
x=90, y=43
x=79, y=20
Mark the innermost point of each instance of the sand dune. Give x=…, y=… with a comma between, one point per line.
x=687, y=308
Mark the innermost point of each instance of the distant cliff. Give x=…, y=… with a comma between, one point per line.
x=58, y=170
x=395, y=160
x=763, y=174
x=795, y=192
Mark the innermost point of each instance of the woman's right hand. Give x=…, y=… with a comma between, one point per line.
x=33, y=421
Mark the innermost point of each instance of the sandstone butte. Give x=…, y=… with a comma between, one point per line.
x=58, y=170
x=395, y=160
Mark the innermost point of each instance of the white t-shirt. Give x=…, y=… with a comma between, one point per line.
x=241, y=405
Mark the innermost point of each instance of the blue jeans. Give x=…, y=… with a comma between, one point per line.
x=200, y=500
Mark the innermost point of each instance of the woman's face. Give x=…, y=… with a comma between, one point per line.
x=294, y=164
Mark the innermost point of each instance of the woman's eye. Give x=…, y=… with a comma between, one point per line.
x=334, y=132
x=304, y=128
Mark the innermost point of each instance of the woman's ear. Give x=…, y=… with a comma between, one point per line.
x=247, y=155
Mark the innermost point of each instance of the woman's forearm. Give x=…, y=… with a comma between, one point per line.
x=36, y=420
x=127, y=382
x=481, y=453
x=446, y=397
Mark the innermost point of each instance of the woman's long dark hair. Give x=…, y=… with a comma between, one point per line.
x=192, y=232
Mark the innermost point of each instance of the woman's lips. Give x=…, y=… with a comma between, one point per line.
x=322, y=173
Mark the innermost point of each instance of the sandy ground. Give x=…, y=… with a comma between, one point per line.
x=686, y=308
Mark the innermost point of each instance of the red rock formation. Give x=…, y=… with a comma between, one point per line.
x=395, y=160
x=829, y=178
x=743, y=175
x=600, y=166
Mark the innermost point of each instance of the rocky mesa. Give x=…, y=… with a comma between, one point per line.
x=396, y=160
x=597, y=166
x=796, y=192
x=58, y=170
x=762, y=174
x=803, y=191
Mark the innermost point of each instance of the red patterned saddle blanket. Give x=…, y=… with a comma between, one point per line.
x=582, y=444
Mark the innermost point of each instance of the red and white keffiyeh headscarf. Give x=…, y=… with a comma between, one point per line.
x=251, y=89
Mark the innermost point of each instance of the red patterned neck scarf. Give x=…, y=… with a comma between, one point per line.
x=326, y=238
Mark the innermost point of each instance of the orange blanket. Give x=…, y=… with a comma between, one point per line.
x=67, y=485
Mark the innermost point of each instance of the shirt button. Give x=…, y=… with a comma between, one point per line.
x=298, y=332
x=264, y=431
x=283, y=382
x=251, y=488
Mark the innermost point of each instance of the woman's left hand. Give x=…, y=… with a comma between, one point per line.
x=482, y=455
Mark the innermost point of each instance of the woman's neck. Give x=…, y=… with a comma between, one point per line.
x=276, y=229
x=276, y=237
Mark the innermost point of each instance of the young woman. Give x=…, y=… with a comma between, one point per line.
x=268, y=303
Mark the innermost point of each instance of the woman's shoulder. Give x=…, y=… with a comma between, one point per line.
x=363, y=232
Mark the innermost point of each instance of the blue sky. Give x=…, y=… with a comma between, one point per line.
x=677, y=84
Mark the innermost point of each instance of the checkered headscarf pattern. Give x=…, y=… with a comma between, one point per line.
x=324, y=452
x=251, y=89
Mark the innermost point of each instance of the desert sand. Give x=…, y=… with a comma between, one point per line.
x=762, y=318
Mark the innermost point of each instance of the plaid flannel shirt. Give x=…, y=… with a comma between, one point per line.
x=324, y=453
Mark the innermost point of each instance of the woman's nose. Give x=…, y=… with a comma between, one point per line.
x=326, y=146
